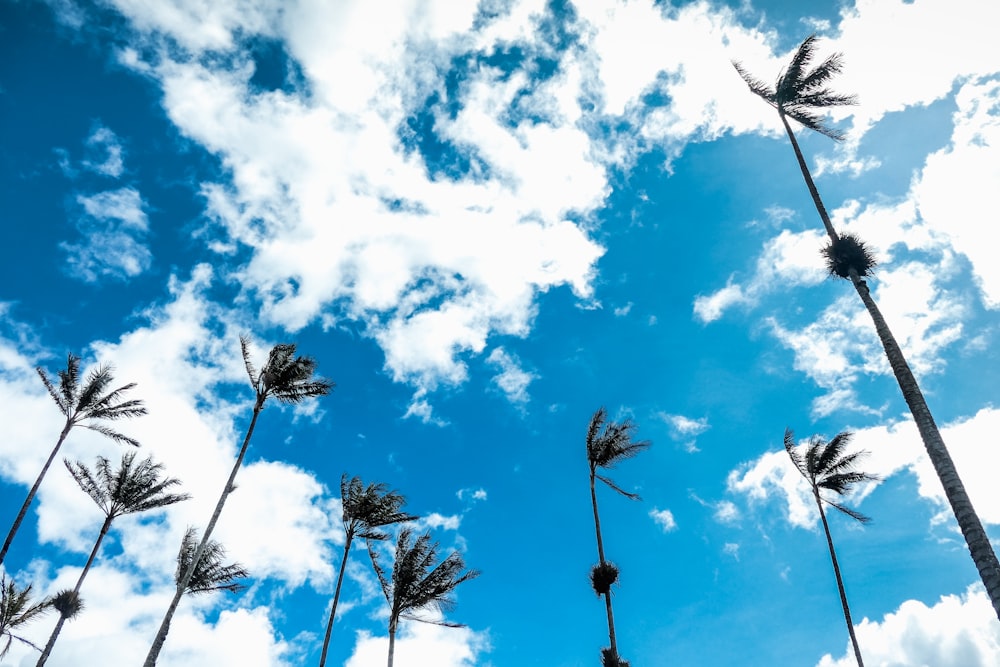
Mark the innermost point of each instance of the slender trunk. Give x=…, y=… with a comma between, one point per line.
x=336, y=598
x=972, y=529
x=840, y=581
x=185, y=578
x=392, y=641
x=600, y=554
x=34, y=490
x=79, y=583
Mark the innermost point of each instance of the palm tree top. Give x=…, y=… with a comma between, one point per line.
x=416, y=582
x=609, y=443
x=799, y=91
x=825, y=466
x=17, y=610
x=286, y=377
x=365, y=508
x=133, y=487
x=80, y=403
x=211, y=573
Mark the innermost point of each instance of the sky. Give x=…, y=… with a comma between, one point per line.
x=486, y=220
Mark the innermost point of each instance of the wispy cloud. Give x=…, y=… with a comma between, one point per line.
x=664, y=519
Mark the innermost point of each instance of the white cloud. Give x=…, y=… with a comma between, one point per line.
x=731, y=549
x=419, y=644
x=114, y=227
x=512, y=380
x=726, y=512
x=108, y=155
x=472, y=494
x=956, y=631
x=664, y=519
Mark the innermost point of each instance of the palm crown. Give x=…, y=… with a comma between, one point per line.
x=286, y=377
x=368, y=507
x=211, y=573
x=17, y=610
x=609, y=443
x=81, y=403
x=799, y=91
x=825, y=466
x=134, y=487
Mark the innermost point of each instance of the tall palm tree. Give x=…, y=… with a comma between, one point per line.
x=85, y=405
x=417, y=582
x=211, y=573
x=798, y=94
x=16, y=611
x=365, y=509
x=608, y=443
x=286, y=378
x=132, y=488
x=826, y=468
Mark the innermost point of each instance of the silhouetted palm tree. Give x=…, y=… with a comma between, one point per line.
x=286, y=378
x=798, y=94
x=608, y=443
x=826, y=467
x=16, y=611
x=132, y=488
x=84, y=406
x=417, y=582
x=211, y=572
x=365, y=509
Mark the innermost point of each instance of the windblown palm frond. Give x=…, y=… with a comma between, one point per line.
x=285, y=377
x=16, y=611
x=366, y=508
x=609, y=443
x=132, y=488
x=825, y=466
x=211, y=573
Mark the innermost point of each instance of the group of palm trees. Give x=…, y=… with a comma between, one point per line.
x=417, y=580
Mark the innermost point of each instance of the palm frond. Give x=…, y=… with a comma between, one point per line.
x=854, y=514
x=251, y=371
x=826, y=466
x=16, y=611
x=88, y=483
x=287, y=378
x=611, y=483
x=211, y=573
x=112, y=434
x=132, y=488
x=757, y=86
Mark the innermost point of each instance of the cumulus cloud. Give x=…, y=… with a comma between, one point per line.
x=664, y=519
x=421, y=644
x=686, y=429
x=106, y=154
x=512, y=380
x=114, y=226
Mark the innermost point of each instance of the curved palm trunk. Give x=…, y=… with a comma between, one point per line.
x=34, y=490
x=968, y=520
x=840, y=581
x=161, y=634
x=336, y=598
x=600, y=554
x=79, y=583
x=392, y=641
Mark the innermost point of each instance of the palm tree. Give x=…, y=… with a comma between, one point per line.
x=417, y=583
x=132, y=488
x=608, y=443
x=286, y=378
x=82, y=405
x=826, y=467
x=211, y=573
x=365, y=509
x=798, y=94
x=16, y=611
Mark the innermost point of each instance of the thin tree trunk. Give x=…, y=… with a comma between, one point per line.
x=600, y=554
x=79, y=583
x=840, y=581
x=161, y=634
x=972, y=529
x=34, y=490
x=336, y=598
x=392, y=642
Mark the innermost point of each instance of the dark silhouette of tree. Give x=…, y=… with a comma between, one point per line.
x=608, y=443
x=16, y=611
x=827, y=468
x=365, y=510
x=799, y=94
x=417, y=582
x=286, y=378
x=86, y=405
x=132, y=488
x=211, y=573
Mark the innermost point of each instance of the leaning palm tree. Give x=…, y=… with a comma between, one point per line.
x=132, y=488
x=365, y=510
x=608, y=443
x=16, y=611
x=799, y=94
x=211, y=573
x=826, y=468
x=417, y=582
x=286, y=378
x=85, y=405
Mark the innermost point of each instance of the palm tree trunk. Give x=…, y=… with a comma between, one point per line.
x=840, y=581
x=34, y=490
x=336, y=598
x=600, y=554
x=161, y=634
x=972, y=529
x=392, y=642
x=79, y=583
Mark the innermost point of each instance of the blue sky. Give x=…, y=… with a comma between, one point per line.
x=485, y=221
